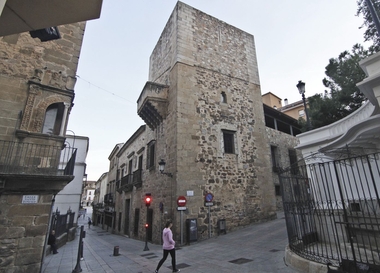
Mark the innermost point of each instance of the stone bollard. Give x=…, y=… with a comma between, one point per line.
x=116, y=251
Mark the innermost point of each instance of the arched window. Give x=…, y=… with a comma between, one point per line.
x=223, y=97
x=53, y=119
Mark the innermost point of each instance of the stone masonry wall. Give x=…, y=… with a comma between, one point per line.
x=283, y=142
x=51, y=64
x=22, y=232
x=33, y=75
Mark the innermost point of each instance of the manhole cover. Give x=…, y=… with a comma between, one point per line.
x=241, y=261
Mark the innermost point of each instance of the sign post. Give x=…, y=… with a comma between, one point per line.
x=181, y=202
x=208, y=203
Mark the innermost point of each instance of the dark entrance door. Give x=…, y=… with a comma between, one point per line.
x=126, y=219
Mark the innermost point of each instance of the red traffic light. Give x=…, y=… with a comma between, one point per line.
x=146, y=225
x=148, y=199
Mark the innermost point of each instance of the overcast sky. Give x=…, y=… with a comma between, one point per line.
x=294, y=41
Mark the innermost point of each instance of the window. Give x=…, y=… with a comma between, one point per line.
x=229, y=141
x=223, y=97
x=53, y=119
x=130, y=167
x=277, y=189
x=274, y=156
x=151, y=154
x=293, y=161
x=301, y=112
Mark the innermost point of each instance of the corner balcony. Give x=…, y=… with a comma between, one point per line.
x=153, y=103
x=27, y=168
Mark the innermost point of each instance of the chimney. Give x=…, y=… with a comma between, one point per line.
x=286, y=101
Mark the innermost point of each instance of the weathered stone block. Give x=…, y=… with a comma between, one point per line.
x=11, y=232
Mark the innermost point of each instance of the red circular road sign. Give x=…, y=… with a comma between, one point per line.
x=181, y=201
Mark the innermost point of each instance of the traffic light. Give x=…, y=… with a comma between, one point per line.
x=148, y=199
x=146, y=225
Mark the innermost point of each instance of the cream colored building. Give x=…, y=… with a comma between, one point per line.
x=295, y=110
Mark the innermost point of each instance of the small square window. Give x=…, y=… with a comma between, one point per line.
x=301, y=113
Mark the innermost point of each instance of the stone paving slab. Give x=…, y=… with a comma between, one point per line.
x=253, y=249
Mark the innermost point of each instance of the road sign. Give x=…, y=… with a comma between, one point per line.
x=208, y=197
x=181, y=208
x=181, y=201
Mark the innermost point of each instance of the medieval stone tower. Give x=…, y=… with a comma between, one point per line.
x=204, y=111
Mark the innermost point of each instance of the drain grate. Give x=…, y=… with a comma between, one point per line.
x=274, y=250
x=241, y=261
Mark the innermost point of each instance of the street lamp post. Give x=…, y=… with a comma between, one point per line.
x=301, y=89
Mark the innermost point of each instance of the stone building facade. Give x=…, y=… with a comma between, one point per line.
x=36, y=94
x=204, y=117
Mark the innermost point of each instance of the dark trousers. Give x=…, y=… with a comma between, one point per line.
x=166, y=253
x=53, y=248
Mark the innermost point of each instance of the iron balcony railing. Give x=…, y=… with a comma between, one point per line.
x=36, y=159
x=108, y=198
x=137, y=178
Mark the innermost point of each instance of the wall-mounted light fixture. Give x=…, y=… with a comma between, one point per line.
x=161, y=168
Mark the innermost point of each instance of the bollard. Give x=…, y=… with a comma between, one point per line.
x=116, y=251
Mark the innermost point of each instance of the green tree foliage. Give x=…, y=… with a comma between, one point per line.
x=343, y=73
x=343, y=97
x=371, y=34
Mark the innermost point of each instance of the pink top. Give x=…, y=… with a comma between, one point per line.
x=167, y=237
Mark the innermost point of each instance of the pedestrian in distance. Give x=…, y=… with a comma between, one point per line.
x=168, y=247
x=89, y=222
x=51, y=242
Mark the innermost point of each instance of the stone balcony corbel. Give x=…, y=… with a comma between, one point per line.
x=152, y=105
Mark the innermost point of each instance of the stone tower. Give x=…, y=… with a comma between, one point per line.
x=204, y=109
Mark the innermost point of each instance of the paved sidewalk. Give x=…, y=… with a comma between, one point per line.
x=257, y=248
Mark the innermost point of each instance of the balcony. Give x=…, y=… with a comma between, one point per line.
x=137, y=178
x=31, y=167
x=126, y=183
x=109, y=199
x=152, y=104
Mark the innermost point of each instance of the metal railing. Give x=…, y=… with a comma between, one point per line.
x=61, y=223
x=36, y=159
x=137, y=178
x=109, y=198
x=332, y=211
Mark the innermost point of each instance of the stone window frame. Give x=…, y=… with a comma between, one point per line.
x=229, y=139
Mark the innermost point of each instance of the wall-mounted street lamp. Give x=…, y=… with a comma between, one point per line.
x=301, y=89
x=161, y=168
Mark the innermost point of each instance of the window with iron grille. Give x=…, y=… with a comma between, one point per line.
x=229, y=141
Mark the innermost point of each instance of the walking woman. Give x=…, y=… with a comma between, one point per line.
x=168, y=247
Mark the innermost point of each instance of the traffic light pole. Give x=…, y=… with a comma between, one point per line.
x=146, y=248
